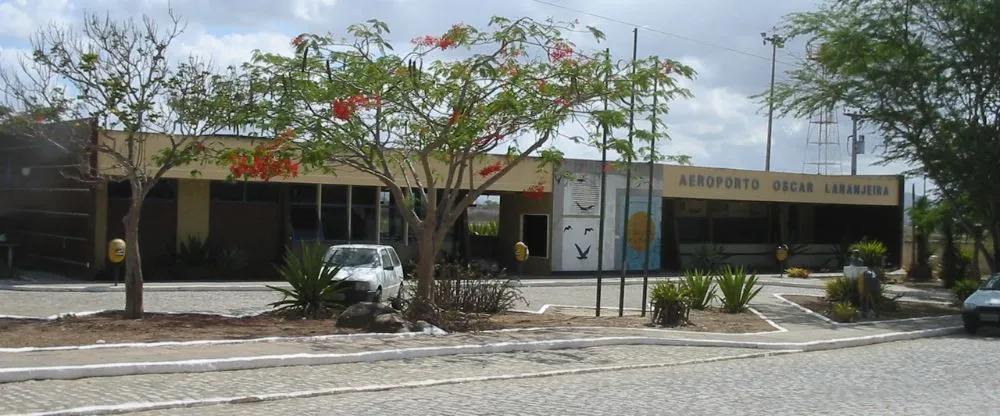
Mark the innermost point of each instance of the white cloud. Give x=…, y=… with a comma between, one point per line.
x=234, y=49
x=22, y=18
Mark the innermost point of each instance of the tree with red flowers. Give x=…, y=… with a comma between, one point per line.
x=117, y=77
x=519, y=83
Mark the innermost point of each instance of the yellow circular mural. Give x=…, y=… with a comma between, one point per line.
x=638, y=223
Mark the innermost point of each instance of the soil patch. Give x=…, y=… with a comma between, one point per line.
x=709, y=320
x=109, y=327
x=905, y=310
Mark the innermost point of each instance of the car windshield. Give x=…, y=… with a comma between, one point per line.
x=353, y=257
x=993, y=283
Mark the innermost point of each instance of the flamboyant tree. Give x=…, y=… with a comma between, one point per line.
x=923, y=74
x=420, y=121
x=119, y=75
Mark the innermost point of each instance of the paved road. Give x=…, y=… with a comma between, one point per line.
x=938, y=376
x=243, y=302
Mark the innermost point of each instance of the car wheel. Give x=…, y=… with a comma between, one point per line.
x=377, y=296
x=971, y=327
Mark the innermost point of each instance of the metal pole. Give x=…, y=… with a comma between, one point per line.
x=628, y=178
x=649, y=200
x=854, y=145
x=770, y=109
x=913, y=225
x=776, y=42
x=604, y=182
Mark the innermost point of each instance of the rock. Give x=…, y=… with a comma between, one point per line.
x=389, y=322
x=362, y=315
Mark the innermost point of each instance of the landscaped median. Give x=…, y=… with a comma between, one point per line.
x=844, y=303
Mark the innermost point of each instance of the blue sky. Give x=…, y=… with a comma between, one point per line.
x=719, y=127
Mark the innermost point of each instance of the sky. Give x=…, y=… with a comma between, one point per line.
x=721, y=126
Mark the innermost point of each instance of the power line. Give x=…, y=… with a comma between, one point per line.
x=661, y=32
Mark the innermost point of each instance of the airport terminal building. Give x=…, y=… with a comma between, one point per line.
x=63, y=225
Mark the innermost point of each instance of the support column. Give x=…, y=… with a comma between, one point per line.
x=319, y=212
x=350, y=208
x=377, y=200
x=193, y=207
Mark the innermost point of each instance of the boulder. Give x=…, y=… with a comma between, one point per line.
x=390, y=322
x=362, y=315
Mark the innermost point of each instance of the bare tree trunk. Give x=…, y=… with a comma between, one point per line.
x=994, y=260
x=425, y=265
x=133, y=262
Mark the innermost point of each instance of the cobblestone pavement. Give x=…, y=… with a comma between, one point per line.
x=934, y=376
x=49, y=395
x=25, y=303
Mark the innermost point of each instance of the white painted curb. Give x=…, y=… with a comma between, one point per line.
x=173, y=404
x=72, y=372
x=546, y=307
x=810, y=312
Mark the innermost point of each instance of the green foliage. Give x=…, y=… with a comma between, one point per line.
x=194, y=251
x=921, y=74
x=799, y=272
x=490, y=228
x=737, y=288
x=417, y=119
x=671, y=303
x=965, y=288
x=846, y=290
x=872, y=252
x=314, y=290
x=844, y=312
x=709, y=257
x=699, y=287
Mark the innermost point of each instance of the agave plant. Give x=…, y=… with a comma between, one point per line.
x=699, y=288
x=737, y=288
x=314, y=290
x=671, y=303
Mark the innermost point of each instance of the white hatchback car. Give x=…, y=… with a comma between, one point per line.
x=374, y=270
x=983, y=306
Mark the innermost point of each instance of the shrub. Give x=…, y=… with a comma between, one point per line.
x=231, y=261
x=709, y=257
x=844, y=312
x=799, y=272
x=314, y=292
x=964, y=288
x=474, y=290
x=194, y=252
x=737, y=288
x=699, y=288
x=845, y=290
x=872, y=253
x=489, y=228
x=671, y=303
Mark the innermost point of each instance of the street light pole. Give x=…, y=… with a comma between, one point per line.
x=776, y=42
x=854, y=141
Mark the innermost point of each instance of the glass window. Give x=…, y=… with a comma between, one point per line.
x=362, y=195
x=363, y=222
x=334, y=194
x=692, y=230
x=392, y=226
x=353, y=257
x=226, y=191
x=334, y=223
x=302, y=194
x=261, y=192
x=395, y=259
x=386, y=258
x=304, y=224
x=739, y=231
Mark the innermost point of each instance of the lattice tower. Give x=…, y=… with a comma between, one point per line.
x=823, y=150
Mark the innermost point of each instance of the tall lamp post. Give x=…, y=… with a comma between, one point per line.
x=776, y=42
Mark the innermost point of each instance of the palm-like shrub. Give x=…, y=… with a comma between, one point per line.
x=314, y=290
x=699, y=288
x=737, y=288
x=965, y=288
x=671, y=303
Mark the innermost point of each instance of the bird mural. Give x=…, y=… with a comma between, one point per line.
x=567, y=228
x=587, y=230
x=584, y=208
x=581, y=253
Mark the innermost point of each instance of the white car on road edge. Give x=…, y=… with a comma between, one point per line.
x=375, y=270
x=983, y=306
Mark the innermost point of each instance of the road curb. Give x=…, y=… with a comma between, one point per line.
x=175, y=404
x=8, y=375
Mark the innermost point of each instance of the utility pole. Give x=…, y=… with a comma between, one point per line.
x=856, y=142
x=776, y=42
